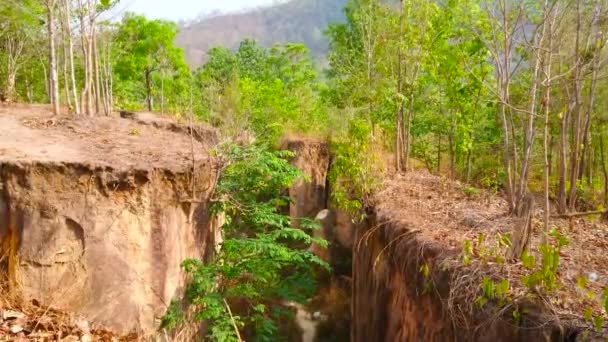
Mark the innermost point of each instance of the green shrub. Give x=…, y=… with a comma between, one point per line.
x=257, y=268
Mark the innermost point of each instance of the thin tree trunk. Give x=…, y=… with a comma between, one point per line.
x=452, y=146
x=550, y=156
x=149, y=90
x=438, y=153
x=547, y=107
x=91, y=57
x=53, y=81
x=591, y=103
x=408, y=133
x=562, y=159
x=85, y=101
x=604, y=169
x=162, y=92
x=529, y=132
x=46, y=81
x=29, y=91
x=14, y=48
x=71, y=56
x=399, y=122
x=577, y=124
x=66, y=83
x=96, y=67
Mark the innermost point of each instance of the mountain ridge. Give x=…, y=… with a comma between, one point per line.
x=295, y=21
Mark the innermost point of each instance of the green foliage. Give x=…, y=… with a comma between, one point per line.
x=545, y=277
x=491, y=291
x=352, y=173
x=266, y=91
x=173, y=317
x=444, y=76
x=470, y=191
x=257, y=268
x=145, y=49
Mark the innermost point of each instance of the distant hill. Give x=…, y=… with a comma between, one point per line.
x=297, y=21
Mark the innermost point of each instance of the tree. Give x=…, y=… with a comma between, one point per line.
x=143, y=46
x=20, y=27
x=52, y=56
x=262, y=91
x=257, y=270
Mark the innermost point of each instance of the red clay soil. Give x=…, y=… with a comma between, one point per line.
x=32, y=134
x=447, y=213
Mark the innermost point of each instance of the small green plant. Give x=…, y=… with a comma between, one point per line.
x=257, y=267
x=470, y=191
x=424, y=269
x=467, y=253
x=516, y=316
x=546, y=276
x=491, y=290
x=173, y=317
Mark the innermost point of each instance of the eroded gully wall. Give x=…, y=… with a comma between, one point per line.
x=101, y=243
x=392, y=301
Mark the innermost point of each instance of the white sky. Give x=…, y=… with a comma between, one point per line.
x=188, y=9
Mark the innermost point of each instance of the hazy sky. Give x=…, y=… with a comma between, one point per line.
x=187, y=9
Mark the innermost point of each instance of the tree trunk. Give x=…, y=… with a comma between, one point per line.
x=53, y=81
x=549, y=20
x=604, y=169
x=576, y=123
x=399, y=153
x=66, y=83
x=85, y=101
x=96, y=71
x=71, y=56
x=408, y=132
x=594, y=77
x=14, y=48
x=523, y=228
x=162, y=92
x=46, y=81
x=438, y=153
x=529, y=132
x=149, y=89
x=562, y=159
x=452, y=146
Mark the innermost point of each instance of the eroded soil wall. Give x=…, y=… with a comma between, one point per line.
x=101, y=243
x=394, y=301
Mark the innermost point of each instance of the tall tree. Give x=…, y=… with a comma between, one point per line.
x=143, y=46
x=51, y=6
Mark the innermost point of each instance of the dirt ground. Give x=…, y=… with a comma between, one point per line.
x=449, y=213
x=32, y=134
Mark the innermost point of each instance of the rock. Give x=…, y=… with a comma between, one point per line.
x=85, y=338
x=83, y=325
x=15, y=329
x=12, y=314
x=318, y=316
x=70, y=338
x=344, y=229
x=309, y=197
x=326, y=221
x=20, y=338
x=472, y=221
